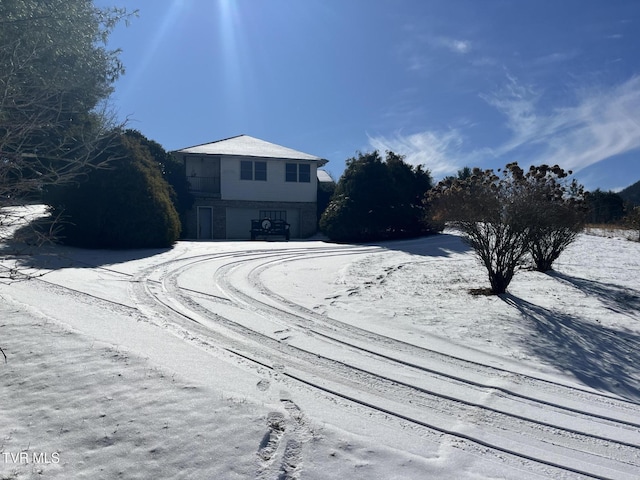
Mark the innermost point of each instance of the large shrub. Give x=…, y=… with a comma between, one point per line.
x=172, y=171
x=551, y=208
x=376, y=199
x=127, y=205
x=479, y=206
x=508, y=218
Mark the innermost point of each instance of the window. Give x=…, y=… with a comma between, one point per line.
x=295, y=172
x=304, y=173
x=246, y=170
x=291, y=172
x=250, y=170
x=260, y=171
x=274, y=214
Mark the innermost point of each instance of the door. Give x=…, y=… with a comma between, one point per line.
x=205, y=223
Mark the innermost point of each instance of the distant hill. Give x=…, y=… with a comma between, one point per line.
x=631, y=193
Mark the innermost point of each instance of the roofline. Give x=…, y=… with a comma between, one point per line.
x=209, y=143
x=320, y=161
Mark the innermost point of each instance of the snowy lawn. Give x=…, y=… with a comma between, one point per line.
x=312, y=360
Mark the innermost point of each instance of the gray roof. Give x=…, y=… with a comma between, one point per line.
x=246, y=146
x=324, y=176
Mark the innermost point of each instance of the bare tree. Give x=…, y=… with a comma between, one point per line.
x=552, y=209
x=480, y=205
x=509, y=217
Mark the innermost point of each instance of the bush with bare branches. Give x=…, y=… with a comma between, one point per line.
x=552, y=209
x=479, y=206
x=509, y=217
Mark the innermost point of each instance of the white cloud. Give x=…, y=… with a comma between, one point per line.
x=421, y=51
x=418, y=62
x=518, y=103
x=455, y=45
x=555, y=58
x=484, y=62
x=602, y=124
x=599, y=125
x=435, y=150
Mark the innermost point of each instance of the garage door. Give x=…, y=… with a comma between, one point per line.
x=239, y=222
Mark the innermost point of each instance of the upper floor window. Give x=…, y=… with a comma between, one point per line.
x=253, y=170
x=298, y=172
x=291, y=172
x=246, y=170
x=304, y=173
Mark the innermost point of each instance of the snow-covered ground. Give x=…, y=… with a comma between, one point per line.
x=311, y=360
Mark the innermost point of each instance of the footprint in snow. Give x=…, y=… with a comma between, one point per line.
x=263, y=385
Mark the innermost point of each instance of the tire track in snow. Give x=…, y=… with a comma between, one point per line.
x=357, y=332
x=326, y=326
x=168, y=269
x=173, y=289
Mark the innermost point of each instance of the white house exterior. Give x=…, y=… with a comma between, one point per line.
x=242, y=178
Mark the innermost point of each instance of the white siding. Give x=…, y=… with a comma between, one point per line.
x=274, y=189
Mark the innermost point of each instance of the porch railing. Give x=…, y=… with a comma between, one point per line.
x=204, y=184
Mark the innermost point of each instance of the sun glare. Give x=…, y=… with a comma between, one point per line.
x=169, y=19
x=230, y=44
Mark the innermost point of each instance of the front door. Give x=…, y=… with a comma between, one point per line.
x=205, y=223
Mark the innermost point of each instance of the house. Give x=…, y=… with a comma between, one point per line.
x=242, y=178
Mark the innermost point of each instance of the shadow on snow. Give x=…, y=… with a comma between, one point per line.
x=25, y=250
x=438, y=245
x=617, y=298
x=54, y=257
x=602, y=358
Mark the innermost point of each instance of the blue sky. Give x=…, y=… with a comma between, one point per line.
x=448, y=83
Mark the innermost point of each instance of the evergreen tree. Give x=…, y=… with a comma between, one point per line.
x=173, y=172
x=632, y=220
x=325, y=191
x=360, y=202
x=604, y=207
x=377, y=199
x=127, y=205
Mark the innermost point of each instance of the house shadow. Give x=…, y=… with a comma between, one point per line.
x=617, y=298
x=600, y=357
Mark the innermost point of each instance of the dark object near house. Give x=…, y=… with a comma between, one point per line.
x=267, y=227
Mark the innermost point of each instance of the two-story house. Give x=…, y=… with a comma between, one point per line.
x=242, y=178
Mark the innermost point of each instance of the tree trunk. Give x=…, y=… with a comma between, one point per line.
x=499, y=281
